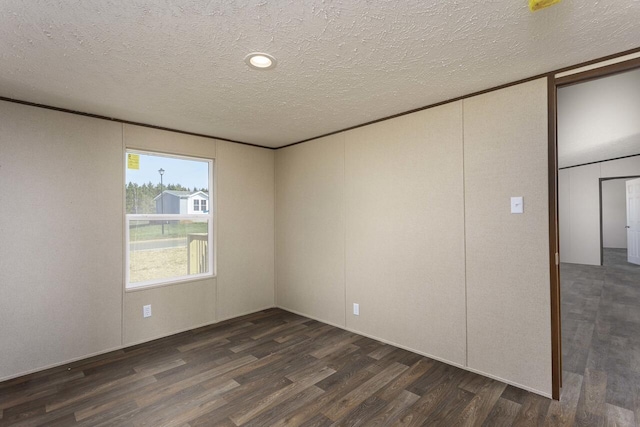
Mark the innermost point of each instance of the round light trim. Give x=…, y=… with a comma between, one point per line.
x=260, y=61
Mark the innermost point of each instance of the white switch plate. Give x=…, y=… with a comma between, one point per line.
x=517, y=205
x=356, y=309
x=146, y=310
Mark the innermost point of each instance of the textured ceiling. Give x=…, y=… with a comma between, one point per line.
x=340, y=63
x=599, y=119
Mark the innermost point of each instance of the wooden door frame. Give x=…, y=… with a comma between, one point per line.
x=553, y=83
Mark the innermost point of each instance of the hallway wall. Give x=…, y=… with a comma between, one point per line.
x=579, y=207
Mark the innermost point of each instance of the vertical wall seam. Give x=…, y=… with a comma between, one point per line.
x=216, y=229
x=344, y=224
x=124, y=242
x=275, y=231
x=464, y=234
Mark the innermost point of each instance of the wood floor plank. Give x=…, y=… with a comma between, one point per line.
x=380, y=352
x=107, y=401
x=591, y=403
x=334, y=347
x=477, y=411
x=615, y=416
x=248, y=412
x=331, y=395
x=411, y=419
x=392, y=410
x=361, y=393
x=177, y=415
x=280, y=411
x=533, y=411
x=214, y=341
x=448, y=412
x=434, y=387
x=398, y=386
x=636, y=404
x=83, y=395
x=319, y=420
x=563, y=412
x=196, y=379
x=503, y=414
x=359, y=415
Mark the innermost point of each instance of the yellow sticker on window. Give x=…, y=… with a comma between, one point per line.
x=133, y=161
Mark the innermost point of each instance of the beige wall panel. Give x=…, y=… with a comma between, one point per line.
x=144, y=138
x=184, y=305
x=246, y=199
x=508, y=297
x=61, y=251
x=310, y=229
x=174, y=308
x=405, y=231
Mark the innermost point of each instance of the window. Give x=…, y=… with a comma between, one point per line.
x=165, y=242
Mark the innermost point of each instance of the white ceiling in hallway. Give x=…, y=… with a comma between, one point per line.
x=599, y=119
x=339, y=63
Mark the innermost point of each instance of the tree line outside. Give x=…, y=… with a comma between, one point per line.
x=139, y=198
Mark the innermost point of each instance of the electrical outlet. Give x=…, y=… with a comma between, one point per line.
x=356, y=309
x=146, y=311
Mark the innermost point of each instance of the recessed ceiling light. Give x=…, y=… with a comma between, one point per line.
x=260, y=61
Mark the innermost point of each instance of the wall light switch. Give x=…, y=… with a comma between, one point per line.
x=517, y=205
x=146, y=311
x=356, y=309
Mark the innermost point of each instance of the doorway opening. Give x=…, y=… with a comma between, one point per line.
x=594, y=137
x=618, y=241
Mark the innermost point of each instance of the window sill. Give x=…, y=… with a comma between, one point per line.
x=169, y=283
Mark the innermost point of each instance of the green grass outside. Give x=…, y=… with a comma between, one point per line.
x=154, y=231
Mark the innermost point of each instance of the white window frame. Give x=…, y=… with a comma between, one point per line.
x=194, y=205
x=170, y=217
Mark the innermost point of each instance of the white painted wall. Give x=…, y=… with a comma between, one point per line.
x=614, y=213
x=579, y=207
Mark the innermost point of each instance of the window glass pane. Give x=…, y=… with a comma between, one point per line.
x=182, y=250
x=181, y=182
x=164, y=195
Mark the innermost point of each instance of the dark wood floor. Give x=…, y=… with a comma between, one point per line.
x=269, y=368
x=275, y=368
x=601, y=340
